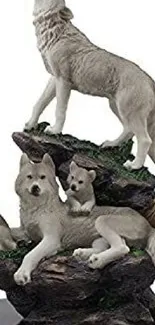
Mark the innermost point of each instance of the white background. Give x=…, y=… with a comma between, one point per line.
x=123, y=27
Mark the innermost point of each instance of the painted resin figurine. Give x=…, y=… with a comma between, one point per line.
x=106, y=235
x=76, y=64
x=80, y=195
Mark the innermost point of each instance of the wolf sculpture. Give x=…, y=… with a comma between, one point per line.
x=76, y=64
x=80, y=195
x=105, y=236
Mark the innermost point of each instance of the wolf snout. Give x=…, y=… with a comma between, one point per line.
x=74, y=188
x=35, y=190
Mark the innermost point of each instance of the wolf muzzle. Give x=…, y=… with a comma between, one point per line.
x=35, y=190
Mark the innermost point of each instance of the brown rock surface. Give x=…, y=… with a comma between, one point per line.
x=66, y=292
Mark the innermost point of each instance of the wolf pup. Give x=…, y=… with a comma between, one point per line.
x=6, y=240
x=105, y=236
x=76, y=64
x=80, y=195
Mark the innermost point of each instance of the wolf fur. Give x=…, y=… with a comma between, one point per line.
x=80, y=195
x=105, y=236
x=6, y=240
x=75, y=63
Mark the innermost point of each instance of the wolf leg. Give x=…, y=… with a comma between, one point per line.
x=118, y=247
x=99, y=245
x=46, y=248
x=139, y=128
x=87, y=207
x=63, y=90
x=75, y=206
x=47, y=96
x=125, y=136
x=151, y=130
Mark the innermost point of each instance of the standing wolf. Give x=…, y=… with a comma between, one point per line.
x=80, y=195
x=75, y=63
x=103, y=237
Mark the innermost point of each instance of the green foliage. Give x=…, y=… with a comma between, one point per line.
x=137, y=252
x=111, y=158
x=17, y=254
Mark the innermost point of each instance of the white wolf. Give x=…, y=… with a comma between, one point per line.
x=80, y=195
x=6, y=240
x=75, y=63
x=103, y=237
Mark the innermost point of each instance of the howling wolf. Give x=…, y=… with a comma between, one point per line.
x=75, y=63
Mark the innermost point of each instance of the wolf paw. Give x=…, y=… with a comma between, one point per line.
x=96, y=262
x=107, y=144
x=22, y=277
x=132, y=165
x=52, y=130
x=75, y=211
x=84, y=212
x=29, y=126
x=82, y=253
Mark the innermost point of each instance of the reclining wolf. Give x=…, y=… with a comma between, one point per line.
x=76, y=64
x=106, y=235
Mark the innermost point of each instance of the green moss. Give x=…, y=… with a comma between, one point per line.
x=19, y=253
x=111, y=158
x=137, y=252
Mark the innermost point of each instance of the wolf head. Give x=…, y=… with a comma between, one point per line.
x=44, y=5
x=80, y=179
x=36, y=181
x=53, y=5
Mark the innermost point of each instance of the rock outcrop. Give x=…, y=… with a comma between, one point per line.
x=114, y=185
x=64, y=291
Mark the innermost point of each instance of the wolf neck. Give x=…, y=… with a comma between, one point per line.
x=36, y=205
x=49, y=28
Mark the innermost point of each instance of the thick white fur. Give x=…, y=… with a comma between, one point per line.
x=75, y=63
x=80, y=195
x=103, y=237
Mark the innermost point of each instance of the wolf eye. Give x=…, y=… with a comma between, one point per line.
x=29, y=176
x=80, y=182
x=42, y=176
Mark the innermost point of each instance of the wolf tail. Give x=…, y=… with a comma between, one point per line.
x=150, y=249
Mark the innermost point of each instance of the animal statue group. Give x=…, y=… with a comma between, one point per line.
x=45, y=219
x=74, y=63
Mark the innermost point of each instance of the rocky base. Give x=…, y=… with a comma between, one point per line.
x=114, y=185
x=66, y=292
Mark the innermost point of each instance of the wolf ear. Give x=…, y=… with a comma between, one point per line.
x=24, y=160
x=66, y=14
x=73, y=166
x=47, y=160
x=92, y=175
